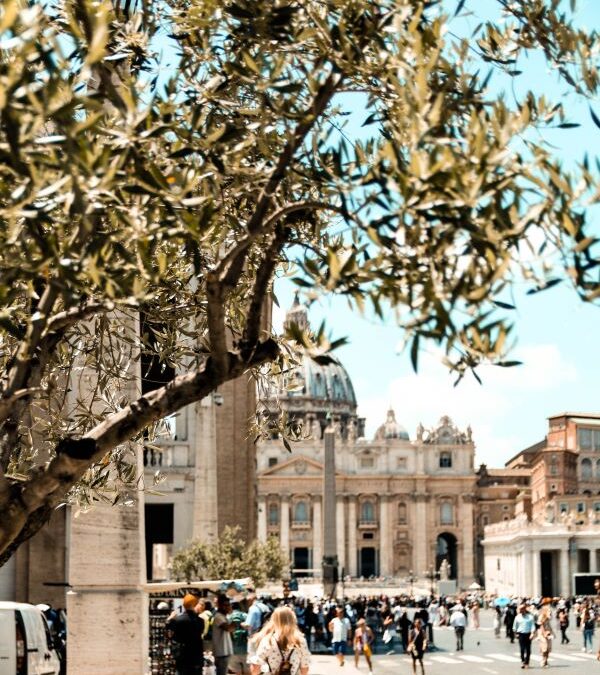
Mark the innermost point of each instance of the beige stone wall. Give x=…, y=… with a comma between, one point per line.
x=42, y=560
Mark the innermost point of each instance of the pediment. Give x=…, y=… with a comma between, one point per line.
x=295, y=466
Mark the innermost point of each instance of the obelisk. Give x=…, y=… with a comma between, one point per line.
x=330, y=561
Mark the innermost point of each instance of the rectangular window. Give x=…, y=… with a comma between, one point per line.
x=597, y=507
x=272, y=461
x=367, y=462
x=401, y=463
x=596, y=439
x=580, y=507
x=445, y=460
x=584, y=439
x=564, y=508
x=498, y=564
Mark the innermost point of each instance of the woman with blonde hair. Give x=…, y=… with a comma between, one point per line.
x=545, y=634
x=281, y=647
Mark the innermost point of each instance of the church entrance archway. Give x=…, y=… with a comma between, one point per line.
x=446, y=549
x=301, y=560
x=368, y=562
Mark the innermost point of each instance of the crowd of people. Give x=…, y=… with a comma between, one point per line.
x=525, y=620
x=278, y=635
x=357, y=625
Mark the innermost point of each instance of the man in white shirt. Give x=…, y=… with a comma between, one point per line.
x=340, y=630
x=458, y=621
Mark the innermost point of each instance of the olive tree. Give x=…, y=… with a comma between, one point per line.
x=230, y=557
x=169, y=191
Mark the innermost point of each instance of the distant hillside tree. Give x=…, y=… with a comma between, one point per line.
x=167, y=159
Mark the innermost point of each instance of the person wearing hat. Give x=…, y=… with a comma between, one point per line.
x=185, y=631
x=363, y=639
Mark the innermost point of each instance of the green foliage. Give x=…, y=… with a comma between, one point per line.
x=230, y=558
x=129, y=187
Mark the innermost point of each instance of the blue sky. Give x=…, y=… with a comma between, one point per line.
x=557, y=334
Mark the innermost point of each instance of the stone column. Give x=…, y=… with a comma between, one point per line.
x=329, y=497
x=340, y=532
x=536, y=583
x=108, y=613
x=565, y=573
x=317, y=528
x=262, y=519
x=352, y=528
x=284, y=525
x=385, y=543
x=593, y=561
x=205, y=523
x=466, y=524
x=421, y=533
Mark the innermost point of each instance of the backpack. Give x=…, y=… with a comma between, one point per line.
x=285, y=667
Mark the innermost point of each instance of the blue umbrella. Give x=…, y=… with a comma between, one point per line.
x=501, y=602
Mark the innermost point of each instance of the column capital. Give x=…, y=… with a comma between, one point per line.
x=468, y=498
x=420, y=497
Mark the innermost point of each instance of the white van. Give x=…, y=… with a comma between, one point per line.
x=25, y=642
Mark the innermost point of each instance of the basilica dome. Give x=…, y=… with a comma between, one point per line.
x=317, y=393
x=390, y=429
x=323, y=384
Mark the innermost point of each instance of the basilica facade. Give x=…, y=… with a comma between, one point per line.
x=403, y=504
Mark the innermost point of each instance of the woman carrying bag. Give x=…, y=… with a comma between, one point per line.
x=281, y=647
x=417, y=644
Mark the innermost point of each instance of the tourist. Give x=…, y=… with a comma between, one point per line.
x=509, y=621
x=458, y=621
x=221, y=635
x=588, y=621
x=545, y=634
x=252, y=623
x=363, y=639
x=185, y=631
x=524, y=627
x=497, y=621
x=563, y=624
x=404, y=626
x=280, y=646
x=417, y=644
x=340, y=630
x=475, y=614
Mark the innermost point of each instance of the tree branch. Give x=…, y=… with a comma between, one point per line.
x=27, y=505
x=264, y=275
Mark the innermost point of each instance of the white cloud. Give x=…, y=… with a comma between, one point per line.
x=489, y=408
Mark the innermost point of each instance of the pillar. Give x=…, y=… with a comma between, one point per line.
x=467, y=573
x=593, y=561
x=262, y=519
x=205, y=524
x=421, y=533
x=108, y=613
x=329, y=498
x=565, y=573
x=317, y=535
x=352, y=545
x=284, y=525
x=536, y=583
x=340, y=532
x=385, y=542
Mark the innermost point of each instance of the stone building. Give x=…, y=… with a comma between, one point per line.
x=555, y=532
x=402, y=505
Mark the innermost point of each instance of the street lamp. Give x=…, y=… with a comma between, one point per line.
x=431, y=574
x=411, y=581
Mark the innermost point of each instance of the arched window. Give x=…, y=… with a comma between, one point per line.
x=402, y=513
x=445, y=460
x=586, y=468
x=273, y=514
x=446, y=513
x=300, y=512
x=367, y=512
